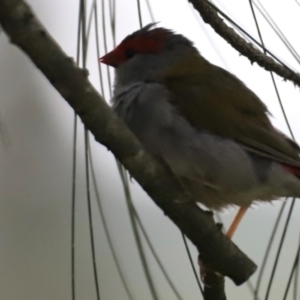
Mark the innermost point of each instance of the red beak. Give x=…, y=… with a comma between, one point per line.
x=112, y=58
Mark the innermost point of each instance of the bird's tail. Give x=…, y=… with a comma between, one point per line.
x=292, y=169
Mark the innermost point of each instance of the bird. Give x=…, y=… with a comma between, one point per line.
x=204, y=124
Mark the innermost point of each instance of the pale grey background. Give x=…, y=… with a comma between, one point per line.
x=36, y=157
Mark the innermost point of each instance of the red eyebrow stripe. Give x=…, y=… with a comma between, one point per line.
x=148, y=42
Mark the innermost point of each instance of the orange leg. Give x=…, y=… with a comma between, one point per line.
x=234, y=225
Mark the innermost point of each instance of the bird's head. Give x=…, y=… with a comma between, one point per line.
x=146, y=53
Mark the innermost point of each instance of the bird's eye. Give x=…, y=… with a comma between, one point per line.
x=130, y=53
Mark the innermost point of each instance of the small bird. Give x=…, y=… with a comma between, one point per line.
x=202, y=122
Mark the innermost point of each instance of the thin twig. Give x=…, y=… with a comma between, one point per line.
x=210, y=15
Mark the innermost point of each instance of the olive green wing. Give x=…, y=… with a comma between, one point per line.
x=216, y=101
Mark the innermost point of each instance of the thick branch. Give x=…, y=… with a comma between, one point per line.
x=214, y=289
x=210, y=16
x=26, y=32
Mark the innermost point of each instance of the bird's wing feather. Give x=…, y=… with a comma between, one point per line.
x=223, y=105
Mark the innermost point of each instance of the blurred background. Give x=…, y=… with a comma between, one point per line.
x=36, y=165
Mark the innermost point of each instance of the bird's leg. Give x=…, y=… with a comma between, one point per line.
x=234, y=225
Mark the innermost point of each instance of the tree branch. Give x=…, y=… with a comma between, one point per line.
x=217, y=251
x=214, y=289
x=210, y=16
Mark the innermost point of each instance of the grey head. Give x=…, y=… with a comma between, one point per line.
x=143, y=55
